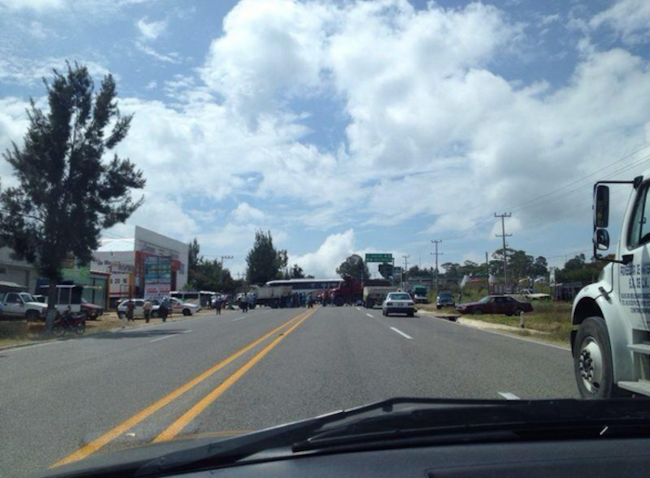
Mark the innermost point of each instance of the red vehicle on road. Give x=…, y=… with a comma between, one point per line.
x=495, y=304
x=350, y=290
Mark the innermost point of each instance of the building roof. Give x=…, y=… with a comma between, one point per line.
x=117, y=245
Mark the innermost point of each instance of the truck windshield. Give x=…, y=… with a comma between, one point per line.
x=26, y=297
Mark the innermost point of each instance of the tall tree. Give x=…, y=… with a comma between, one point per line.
x=296, y=272
x=66, y=192
x=355, y=267
x=193, y=260
x=264, y=261
x=540, y=267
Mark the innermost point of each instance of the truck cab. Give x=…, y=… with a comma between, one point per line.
x=17, y=304
x=611, y=340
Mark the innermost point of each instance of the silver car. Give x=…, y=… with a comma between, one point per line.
x=398, y=303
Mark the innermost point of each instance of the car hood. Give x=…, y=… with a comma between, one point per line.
x=38, y=305
x=470, y=304
x=143, y=454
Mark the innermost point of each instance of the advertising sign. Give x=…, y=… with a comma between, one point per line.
x=157, y=277
x=157, y=291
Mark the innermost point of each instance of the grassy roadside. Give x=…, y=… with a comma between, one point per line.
x=551, y=318
x=19, y=333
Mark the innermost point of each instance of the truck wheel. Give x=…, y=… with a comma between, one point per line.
x=592, y=361
x=339, y=301
x=32, y=316
x=370, y=304
x=187, y=312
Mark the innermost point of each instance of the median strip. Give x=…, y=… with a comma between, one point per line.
x=176, y=427
x=123, y=427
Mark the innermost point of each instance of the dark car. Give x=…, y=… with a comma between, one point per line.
x=445, y=299
x=495, y=304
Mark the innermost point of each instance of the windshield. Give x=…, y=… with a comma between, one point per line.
x=260, y=211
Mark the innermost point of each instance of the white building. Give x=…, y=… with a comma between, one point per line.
x=147, y=263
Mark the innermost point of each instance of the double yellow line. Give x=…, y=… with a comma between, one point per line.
x=176, y=427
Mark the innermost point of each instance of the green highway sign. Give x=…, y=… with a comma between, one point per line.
x=379, y=258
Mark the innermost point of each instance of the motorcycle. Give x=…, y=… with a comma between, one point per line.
x=69, y=322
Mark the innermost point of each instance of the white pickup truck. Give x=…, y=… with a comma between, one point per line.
x=611, y=342
x=16, y=304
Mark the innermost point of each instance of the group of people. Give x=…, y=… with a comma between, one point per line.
x=163, y=311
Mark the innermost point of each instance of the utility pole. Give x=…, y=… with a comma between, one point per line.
x=503, y=235
x=487, y=270
x=223, y=258
x=435, y=243
x=406, y=266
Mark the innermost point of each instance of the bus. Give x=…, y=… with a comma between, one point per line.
x=202, y=298
x=306, y=286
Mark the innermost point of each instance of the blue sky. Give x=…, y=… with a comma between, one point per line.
x=355, y=126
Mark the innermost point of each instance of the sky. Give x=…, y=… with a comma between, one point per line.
x=355, y=126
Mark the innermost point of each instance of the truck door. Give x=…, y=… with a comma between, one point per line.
x=14, y=305
x=634, y=278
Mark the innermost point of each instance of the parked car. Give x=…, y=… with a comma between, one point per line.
x=398, y=303
x=495, y=304
x=185, y=308
x=445, y=299
x=138, y=312
x=93, y=311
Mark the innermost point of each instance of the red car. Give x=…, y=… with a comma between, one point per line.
x=93, y=311
x=495, y=304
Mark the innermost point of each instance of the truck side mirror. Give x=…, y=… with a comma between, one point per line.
x=601, y=207
x=601, y=239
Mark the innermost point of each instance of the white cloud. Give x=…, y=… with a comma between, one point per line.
x=244, y=212
x=328, y=257
x=628, y=18
x=37, y=5
x=269, y=49
x=27, y=72
x=151, y=30
x=172, y=57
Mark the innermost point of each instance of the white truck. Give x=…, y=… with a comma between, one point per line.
x=611, y=342
x=17, y=304
x=270, y=296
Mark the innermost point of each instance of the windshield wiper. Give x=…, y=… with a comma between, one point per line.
x=489, y=419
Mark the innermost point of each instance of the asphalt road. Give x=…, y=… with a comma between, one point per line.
x=70, y=399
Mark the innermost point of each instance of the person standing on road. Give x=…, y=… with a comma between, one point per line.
x=130, y=309
x=147, y=307
x=310, y=301
x=217, y=305
x=164, y=309
x=244, y=304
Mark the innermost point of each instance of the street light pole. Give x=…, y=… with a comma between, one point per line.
x=406, y=265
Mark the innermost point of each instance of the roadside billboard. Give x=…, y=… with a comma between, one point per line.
x=157, y=277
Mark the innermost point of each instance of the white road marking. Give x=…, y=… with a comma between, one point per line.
x=509, y=396
x=186, y=331
x=25, y=347
x=239, y=318
x=401, y=333
x=358, y=308
x=161, y=338
x=369, y=315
